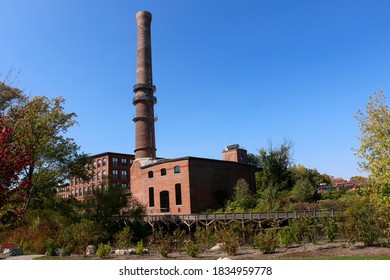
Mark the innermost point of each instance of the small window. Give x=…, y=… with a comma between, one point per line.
x=178, y=194
x=80, y=192
x=124, y=162
x=99, y=163
x=176, y=169
x=124, y=174
x=124, y=186
x=163, y=172
x=115, y=161
x=151, y=197
x=115, y=174
x=104, y=175
x=150, y=174
x=104, y=162
x=99, y=176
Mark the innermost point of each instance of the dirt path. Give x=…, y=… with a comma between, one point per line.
x=22, y=257
x=323, y=249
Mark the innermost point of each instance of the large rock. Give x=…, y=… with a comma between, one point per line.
x=217, y=247
x=91, y=250
x=60, y=252
x=120, y=252
x=7, y=252
x=17, y=251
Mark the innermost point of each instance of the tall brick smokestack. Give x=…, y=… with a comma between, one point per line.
x=144, y=100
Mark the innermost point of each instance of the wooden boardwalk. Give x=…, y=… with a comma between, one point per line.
x=207, y=219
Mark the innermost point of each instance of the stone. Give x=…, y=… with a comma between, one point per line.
x=7, y=252
x=60, y=252
x=120, y=252
x=91, y=250
x=217, y=247
x=17, y=251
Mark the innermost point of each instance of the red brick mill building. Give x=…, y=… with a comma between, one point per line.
x=176, y=186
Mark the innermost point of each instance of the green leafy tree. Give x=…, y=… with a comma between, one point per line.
x=243, y=199
x=304, y=190
x=41, y=125
x=274, y=176
x=107, y=204
x=374, y=152
x=306, y=183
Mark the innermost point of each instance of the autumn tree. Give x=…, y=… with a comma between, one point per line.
x=9, y=96
x=40, y=125
x=13, y=189
x=374, y=151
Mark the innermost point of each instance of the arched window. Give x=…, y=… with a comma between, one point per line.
x=150, y=174
x=151, y=197
x=163, y=172
x=176, y=169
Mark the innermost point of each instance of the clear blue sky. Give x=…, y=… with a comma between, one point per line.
x=226, y=71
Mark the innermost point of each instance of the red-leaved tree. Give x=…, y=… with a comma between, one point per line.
x=13, y=189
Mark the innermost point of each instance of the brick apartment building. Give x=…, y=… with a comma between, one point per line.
x=176, y=186
x=113, y=166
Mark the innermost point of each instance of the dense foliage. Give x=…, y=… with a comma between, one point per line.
x=374, y=151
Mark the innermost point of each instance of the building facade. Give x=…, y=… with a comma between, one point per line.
x=187, y=185
x=114, y=167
